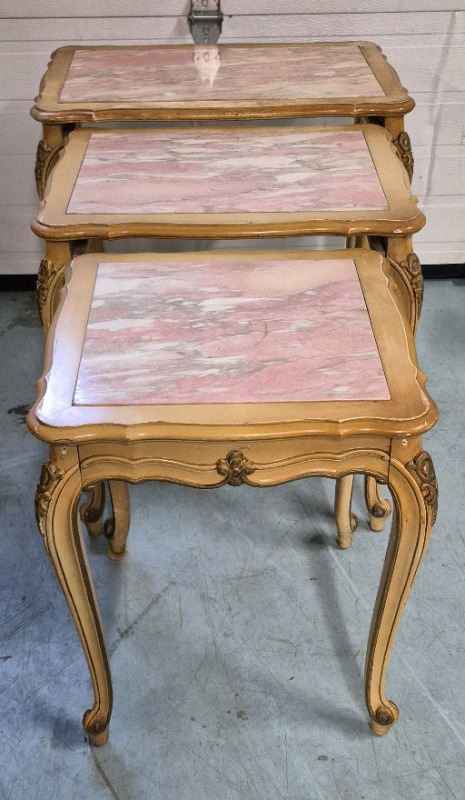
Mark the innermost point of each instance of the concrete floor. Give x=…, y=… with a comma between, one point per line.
x=236, y=627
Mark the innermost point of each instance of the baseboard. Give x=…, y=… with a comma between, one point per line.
x=438, y=271
x=18, y=283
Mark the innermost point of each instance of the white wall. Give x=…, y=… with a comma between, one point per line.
x=423, y=39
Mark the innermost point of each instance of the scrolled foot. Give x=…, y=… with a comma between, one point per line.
x=345, y=535
x=91, y=512
x=384, y=719
x=378, y=508
x=96, y=729
x=114, y=552
x=378, y=515
x=346, y=521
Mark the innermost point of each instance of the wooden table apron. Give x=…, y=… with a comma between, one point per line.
x=292, y=68
x=260, y=445
x=65, y=232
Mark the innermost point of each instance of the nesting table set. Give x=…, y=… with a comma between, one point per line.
x=228, y=367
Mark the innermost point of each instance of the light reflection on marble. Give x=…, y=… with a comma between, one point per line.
x=234, y=332
x=207, y=62
x=226, y=171
x=250, y=72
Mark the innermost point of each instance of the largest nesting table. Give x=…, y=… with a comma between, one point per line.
x=206, y=369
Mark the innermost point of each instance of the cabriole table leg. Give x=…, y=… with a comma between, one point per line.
x=57, y=498
x=414, y=490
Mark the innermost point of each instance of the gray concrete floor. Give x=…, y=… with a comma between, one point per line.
x=236, y=627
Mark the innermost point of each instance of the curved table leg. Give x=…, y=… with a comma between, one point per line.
x=378, y=508
x=414, y=490
x=346, y=522
x=57, y=500
x=91, y=512
x=117, y=527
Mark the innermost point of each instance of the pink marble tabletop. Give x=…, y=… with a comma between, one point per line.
x=224, y=72
x=228, y=332
x=226, y=171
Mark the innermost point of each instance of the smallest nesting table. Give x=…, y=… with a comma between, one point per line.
x=206, y=369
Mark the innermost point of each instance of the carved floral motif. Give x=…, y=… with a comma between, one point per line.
x=50, y=476
x=44, y=157
x=46, y=272
x=404, y=151
x=411, y=268
x=422, y=470
x=235, y=468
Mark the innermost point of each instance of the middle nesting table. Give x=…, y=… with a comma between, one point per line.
x=224, y=182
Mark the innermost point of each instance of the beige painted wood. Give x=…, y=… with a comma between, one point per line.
x=91, y=512
x=346, y=521
x=254, y=443
x=378, y=507
x=116, y=527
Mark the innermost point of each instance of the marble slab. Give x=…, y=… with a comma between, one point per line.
x=228, y=332
x=226, y=171
x=224, y=72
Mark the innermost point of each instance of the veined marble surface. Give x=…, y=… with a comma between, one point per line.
x=229, y=170
x=224, y=72
x=230, y=332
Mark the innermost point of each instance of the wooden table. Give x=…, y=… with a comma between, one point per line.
x=229, y=182
x=226, y=81
x=255, y=368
